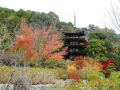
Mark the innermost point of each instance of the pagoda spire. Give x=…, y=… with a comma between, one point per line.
x=74, y=19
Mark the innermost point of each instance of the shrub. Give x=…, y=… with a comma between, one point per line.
x=69, y=62
x=62, y=64
x=108, y=45
x=92, y=64
x=86, y=75
x=62, y=74
x=97, y=50
x=71, y=68
x=108, y=67
x=116, y=57
x=79, y=62
x=90, y=74
x=74, y=76
x=95, y=76
x=106, y=84
x=86, y=63
x=115, y=76
x=51, y=64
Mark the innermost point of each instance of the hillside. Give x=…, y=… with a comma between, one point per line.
x=11, y=18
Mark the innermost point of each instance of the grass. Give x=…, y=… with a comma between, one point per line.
x=36, y=75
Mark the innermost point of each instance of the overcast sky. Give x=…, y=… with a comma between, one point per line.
x=87, y=11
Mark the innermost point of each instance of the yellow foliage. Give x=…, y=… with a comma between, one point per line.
x=71, y=68
x=92, y=65
x=5, y=72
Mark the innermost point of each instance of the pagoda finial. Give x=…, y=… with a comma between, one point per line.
x=74, y=19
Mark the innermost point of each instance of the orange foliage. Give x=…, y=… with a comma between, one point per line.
x=79, y=62
x=43, y=42
x=93, y=65
x=86, y=63
x=50, y=43
x=24, y=42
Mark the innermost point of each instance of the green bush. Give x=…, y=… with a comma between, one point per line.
x=115, y=76
x=51, y=64
x=62, y=64
x=90, y=75
x=108, y=45
x=97, y=50
x=116, y=57
x=95, y=75
x=62, y=74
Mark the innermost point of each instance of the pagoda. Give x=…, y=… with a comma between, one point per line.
x=76, y=43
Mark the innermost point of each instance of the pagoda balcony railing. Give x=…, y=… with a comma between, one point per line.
x=74, y=40
x=75, y=54
x=74, y=51
x=76, y=46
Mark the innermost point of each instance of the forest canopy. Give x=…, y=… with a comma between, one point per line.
x=10, y=21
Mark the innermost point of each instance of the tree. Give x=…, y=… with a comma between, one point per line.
x=97, y=34
x=111, y=34
x=115, y=14
x=97, y=50
x=20, y=13
x=28, y=15
x=53, y=18
x=13, y=22
x=34, y=45
x=63, y=26
x=92, y=27
x=4, y=13
x=44, y=20
x=103, y=34
x=3, y=16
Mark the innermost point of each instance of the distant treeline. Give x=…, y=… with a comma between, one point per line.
x=12, y=19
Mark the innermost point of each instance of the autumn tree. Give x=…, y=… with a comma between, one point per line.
x=38, y=45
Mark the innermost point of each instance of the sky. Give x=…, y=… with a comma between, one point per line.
x=86, y=11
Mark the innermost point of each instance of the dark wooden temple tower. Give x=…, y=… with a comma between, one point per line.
x=75, y=43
